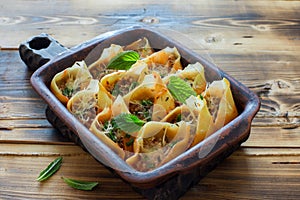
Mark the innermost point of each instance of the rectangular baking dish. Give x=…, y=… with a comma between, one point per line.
x=174, y=178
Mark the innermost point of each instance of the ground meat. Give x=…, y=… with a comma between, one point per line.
x=123, y=86
x=142, y=109
x=153, y=143
x=162, y=70
x=213, y=106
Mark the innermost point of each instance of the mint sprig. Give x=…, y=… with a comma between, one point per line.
x=128, y=123
x=50, y=170
x=124, y=60
x=180, y=89
x=80, y=185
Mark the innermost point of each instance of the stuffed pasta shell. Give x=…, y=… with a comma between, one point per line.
x=122, y=82
x=98, y=68
x=105, y=127
x=151, y=100
x=165, y=61
x=71, y=80
x=220, y=102
x=158, y=143
x=142, y=46
x=194, y=75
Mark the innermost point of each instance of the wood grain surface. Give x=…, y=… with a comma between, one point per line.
x=257, y=42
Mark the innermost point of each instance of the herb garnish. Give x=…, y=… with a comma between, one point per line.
x=133, y=85
x=178, y=118
x=128, y=123
x=67, y=92
x=147, y=112
x=147, y=102
x=124, y=60
x=54, y=166
x=201, y=97
x=111, y=128
x=130, y=142
x=50, y=170
x=180, y=89
x=80, y=185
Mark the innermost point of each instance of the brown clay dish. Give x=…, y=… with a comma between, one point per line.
x=174, y=178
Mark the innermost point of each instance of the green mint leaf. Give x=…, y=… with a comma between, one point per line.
x=124, y=60
x=67, y=92
x=180, y=89
x=110, y=129
x=50, y=170
x=201, y=97
x=128, y=123
x=130, y=142
x=80, y=185
x=178, y=118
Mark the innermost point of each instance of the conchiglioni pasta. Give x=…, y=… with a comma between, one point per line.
x=98, y=68
x=138, y=112
x=165, y=61
x=158, y=143
x=220, y=102
x=194, y=74
x=68, y=82
x=142, y=46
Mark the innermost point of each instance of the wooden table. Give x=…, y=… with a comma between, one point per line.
x=257, y=42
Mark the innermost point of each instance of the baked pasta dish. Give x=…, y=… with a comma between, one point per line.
x=143, y=103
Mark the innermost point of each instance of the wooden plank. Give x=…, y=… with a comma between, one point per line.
x=271, y=83
x=32, y=135
x=279, y=97
x=50, y=150
x=279, y=92
x=281, y=131
x=282, y=122
x=262, y=135
x=209, y=37
x=284, y=106
x=215, y=23
x=15, y=110
x=44, y=150
x=282, y=135
x=255, y=177
x=24, y=123
x=273, y=137
x=231, y=61
x=259, y=137
x=255, y=173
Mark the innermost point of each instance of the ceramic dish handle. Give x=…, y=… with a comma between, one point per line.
x=40, y=49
